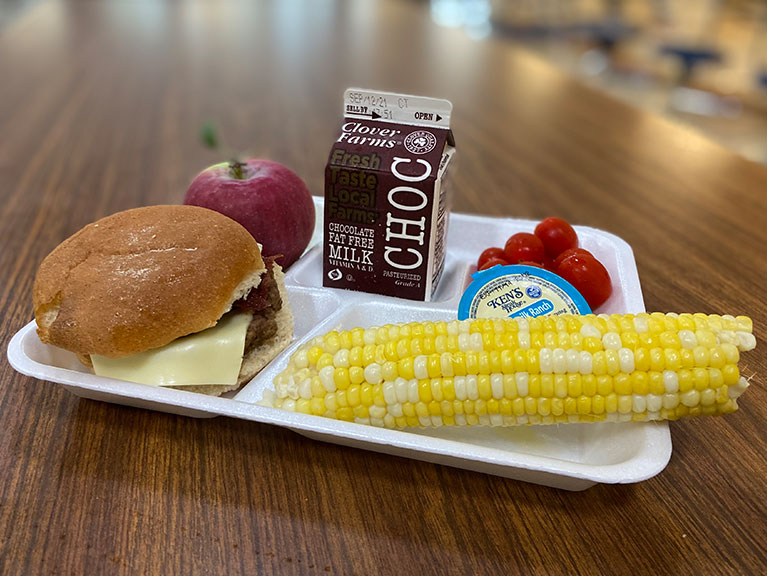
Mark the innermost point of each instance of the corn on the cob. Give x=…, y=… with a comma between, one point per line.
x=506, y=372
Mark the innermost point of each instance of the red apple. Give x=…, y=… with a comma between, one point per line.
x=267, y=198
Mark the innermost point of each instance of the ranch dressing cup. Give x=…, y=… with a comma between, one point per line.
x=386, y=205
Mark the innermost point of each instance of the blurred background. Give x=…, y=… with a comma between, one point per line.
x=702, y=63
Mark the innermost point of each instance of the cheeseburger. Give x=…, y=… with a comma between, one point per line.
x=175, y=296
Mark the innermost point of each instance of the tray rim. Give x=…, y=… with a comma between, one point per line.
x=654, y=453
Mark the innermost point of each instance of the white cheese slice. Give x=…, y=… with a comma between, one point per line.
x=213, y=356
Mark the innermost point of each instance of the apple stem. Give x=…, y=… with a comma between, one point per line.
x=236, y=169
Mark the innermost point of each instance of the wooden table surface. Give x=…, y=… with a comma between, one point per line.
x=100, y=107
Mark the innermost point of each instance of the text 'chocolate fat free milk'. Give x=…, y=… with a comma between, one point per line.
x=386, y=206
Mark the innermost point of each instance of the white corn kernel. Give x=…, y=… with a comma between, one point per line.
x=670, y=401
x=654, y=402
x=475, y=342
x=300, y=359
x=420, y=369
x=559, y=361
x=464, y=342
x=670, y=381
x=522, y=383
x=390, y=393
x=611, y=341
x=326, y=378
x=745, y=341
x=708, y=397
x=641, y=324
x=690, y=398
x=471, y=387
x=523, y=338
x=496, y=383
x=590, y=330
x=626, y=360
x=545, y=361
x=639, y=403
x=341, y=359
x=459, y=382
x=412, y=391
x=688, y=339
x=586, y=363
x=373, y=373
x=737, y=389
x=401, y=388
x=446, y=362
x=377, y=411
x=573, y=361
x=305, y=388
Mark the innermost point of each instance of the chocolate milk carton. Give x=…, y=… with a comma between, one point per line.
x=386, y=208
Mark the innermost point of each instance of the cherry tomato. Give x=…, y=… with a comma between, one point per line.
x=524, y=246
x=493, y=252
x=588, y=276
x=493, y=262
x=569, y=252
x=528, y=263
x=556, y=235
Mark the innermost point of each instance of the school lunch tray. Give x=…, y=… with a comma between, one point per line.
x=567, y=456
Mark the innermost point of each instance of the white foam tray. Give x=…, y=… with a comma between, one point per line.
x=571, y=456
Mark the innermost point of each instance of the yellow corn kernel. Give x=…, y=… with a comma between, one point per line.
x=640, y=383
x=518, y=406
x=591, y=344
x=484, y=389
x=611, y=403
x=571, y=405
x=672, y=359
x=599, y=363
x=331, y=342
x=574, y=385
x=656, y=383
x=341, y=378
x=509, y=386
x=361, y=411
x=700, y=378
x=424, y=391
x=597, y=404
x=422, y=409
x=657, y=358
x=584, y=405
x=314, y=355
x=345, y=413
x=505, y=406
x=685, y=381
x=604, y=385
x=324, y=361
x=547, y=385
x=472, y=363
x=356, y=375
x=534, y=385
x=625, y=404
x=353, y=395
x=730, y=374
x=622, y=384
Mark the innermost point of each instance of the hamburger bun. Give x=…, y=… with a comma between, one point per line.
x=139, y=279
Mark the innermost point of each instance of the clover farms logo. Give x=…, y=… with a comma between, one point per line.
x=420, y=142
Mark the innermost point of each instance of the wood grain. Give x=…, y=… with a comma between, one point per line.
x=100, y=104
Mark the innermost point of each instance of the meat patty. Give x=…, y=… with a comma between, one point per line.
x=264, y=301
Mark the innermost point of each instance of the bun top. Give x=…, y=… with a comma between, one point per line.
x=139, y=279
